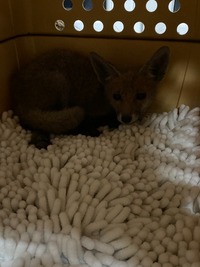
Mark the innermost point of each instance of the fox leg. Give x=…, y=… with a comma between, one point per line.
x=40, y=139
x=111, y=121
x=87, y=128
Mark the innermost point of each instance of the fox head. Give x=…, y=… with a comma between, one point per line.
x=131, y=93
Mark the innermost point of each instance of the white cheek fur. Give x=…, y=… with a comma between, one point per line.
x=130, y=197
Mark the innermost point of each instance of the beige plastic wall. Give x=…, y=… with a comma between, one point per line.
x=27, y=28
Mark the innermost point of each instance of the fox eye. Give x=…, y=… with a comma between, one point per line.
x=141, y=96
x=117, y=97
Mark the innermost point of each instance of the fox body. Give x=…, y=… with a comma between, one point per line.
x=65, y=92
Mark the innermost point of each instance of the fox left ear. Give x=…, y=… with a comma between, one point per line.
x=103, y=69
x=157, y=65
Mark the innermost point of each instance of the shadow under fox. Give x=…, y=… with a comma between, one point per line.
x=63, y=92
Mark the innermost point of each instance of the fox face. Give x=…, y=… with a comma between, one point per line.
x=131, y=93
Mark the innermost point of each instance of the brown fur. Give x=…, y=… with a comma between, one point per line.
x=65, y=92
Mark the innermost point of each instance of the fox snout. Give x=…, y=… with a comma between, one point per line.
x=127, y=118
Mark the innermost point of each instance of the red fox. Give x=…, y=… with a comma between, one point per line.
x=64, y=92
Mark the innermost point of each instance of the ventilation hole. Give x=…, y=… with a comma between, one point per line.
x=182, y=28
x=118, y=26
x=87, y=5
x=59, y=25
x=129, y=5
x=67, y=4
x=78, y=25
x=151, y=5
x=139, y=27
x=160, y=28
x=108, y=5
x=174, y=6
x=98, y=26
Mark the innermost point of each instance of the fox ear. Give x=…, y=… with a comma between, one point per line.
x=157, y=65
x=103, y=69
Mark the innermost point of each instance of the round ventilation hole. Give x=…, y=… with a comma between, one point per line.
x=118, y=26
x=139, y=27
x=59, y=25
x=182, y=29
x=108, y=5
x=98, y=26
x=87, y=5
x=67, y=5
x=129, y=5
x=174, y=6
x=151, y=5
x=78, y=25
x=160, y=28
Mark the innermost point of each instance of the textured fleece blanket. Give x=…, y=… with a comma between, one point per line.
x=130, y=197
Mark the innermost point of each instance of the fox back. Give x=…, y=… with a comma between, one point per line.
x=61, y=90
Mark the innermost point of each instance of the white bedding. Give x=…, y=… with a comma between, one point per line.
x=130, y=197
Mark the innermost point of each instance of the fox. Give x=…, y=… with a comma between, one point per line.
x=66, y=92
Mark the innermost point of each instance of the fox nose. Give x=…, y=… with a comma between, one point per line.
x=126, y=118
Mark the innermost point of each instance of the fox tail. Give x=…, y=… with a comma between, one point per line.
x=52, y=121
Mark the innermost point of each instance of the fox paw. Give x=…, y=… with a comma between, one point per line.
x=91, y=132
x=41, y=144
x=40, y=140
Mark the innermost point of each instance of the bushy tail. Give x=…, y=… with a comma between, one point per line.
x=55, y=121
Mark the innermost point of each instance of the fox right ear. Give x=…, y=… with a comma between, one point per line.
x=157, y=65
x=103, y=69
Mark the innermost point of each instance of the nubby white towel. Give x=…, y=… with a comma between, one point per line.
x=130, y=197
